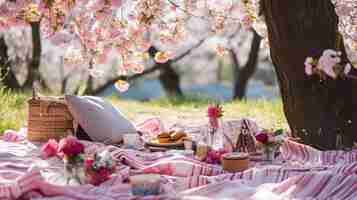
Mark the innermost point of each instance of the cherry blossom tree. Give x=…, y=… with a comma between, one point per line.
x=320, y=108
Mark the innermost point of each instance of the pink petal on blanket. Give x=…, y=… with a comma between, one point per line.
x=14, y=136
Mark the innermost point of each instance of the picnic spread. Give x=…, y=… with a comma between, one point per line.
x=220, y=160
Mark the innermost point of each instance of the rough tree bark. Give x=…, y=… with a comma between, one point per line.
x=322, y=113
x=168, y=77
x=243, y=75
x=7, y=76
x=34, y=65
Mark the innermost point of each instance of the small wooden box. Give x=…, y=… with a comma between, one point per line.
x=235, y=162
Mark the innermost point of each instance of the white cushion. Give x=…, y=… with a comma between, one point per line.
x=99, y=119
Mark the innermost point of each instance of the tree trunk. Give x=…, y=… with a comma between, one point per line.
x=242, y=76
x=7, y=76
x=170, y=81
x=168, y=77
x=34, y=65
x=322, y=113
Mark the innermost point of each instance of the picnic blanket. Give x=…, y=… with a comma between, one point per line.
x=301, y=172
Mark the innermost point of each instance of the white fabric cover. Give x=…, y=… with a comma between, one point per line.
x=99, y=119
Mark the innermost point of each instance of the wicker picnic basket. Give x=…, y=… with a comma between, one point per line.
x=49, y=118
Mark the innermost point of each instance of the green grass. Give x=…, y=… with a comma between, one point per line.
x=190, y=110
x=12, y=110
x=268, y=114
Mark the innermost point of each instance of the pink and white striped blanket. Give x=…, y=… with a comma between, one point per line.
x=301, y=172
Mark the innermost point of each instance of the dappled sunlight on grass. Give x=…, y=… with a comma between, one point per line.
x=189, y=111
x=268, y=114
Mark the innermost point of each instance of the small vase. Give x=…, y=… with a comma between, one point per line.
x=73, y=171
x=269, y=154
x=215, y=136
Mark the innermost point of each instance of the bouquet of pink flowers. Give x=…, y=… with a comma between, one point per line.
x=270, y=141
x=214, y=113
x=71, y=150
x=99, y=168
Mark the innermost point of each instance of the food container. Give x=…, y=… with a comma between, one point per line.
x=235, y=162
x=48, y=118
x=145, y=184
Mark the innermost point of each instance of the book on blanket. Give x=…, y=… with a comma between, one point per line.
x=99, y=120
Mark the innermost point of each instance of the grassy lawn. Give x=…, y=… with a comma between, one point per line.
x=191, y=111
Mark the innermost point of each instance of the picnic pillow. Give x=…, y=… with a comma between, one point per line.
x=99, y=119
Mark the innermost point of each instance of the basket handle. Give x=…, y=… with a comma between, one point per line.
x=34, y=94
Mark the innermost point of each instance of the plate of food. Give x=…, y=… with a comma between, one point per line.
x=168, y=140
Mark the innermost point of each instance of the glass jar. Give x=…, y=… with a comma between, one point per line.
x=269, y=153
x=215, y=136
x=73, y=171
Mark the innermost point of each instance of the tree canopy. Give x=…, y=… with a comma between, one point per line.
x=89, y=29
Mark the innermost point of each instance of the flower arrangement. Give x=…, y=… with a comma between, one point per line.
x=99, y=168
x=270, y=141
x=71, y=150
x=214, y=113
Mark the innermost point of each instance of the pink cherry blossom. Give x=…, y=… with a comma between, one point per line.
x=144, y=46
x=347, y=69
x=162, y=57
x=117, y=3
x=96, y=73
x=122, y=25
x=121, y=85
x=308, y=66
x=328, y=61
x=221, y=50
x=49, y=149
x=137, y=68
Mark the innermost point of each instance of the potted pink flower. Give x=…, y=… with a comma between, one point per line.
x=270, y=141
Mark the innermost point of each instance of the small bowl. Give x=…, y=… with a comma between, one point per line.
x=145, y=184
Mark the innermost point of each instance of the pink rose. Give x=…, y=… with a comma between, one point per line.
x=70, y=146
x=88, y=164
x=49, y=149
x=262, y=138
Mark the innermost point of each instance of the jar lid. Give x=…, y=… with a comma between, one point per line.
x=236, y=156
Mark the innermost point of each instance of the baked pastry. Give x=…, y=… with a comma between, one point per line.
x=176, y=136
x=164, y=137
